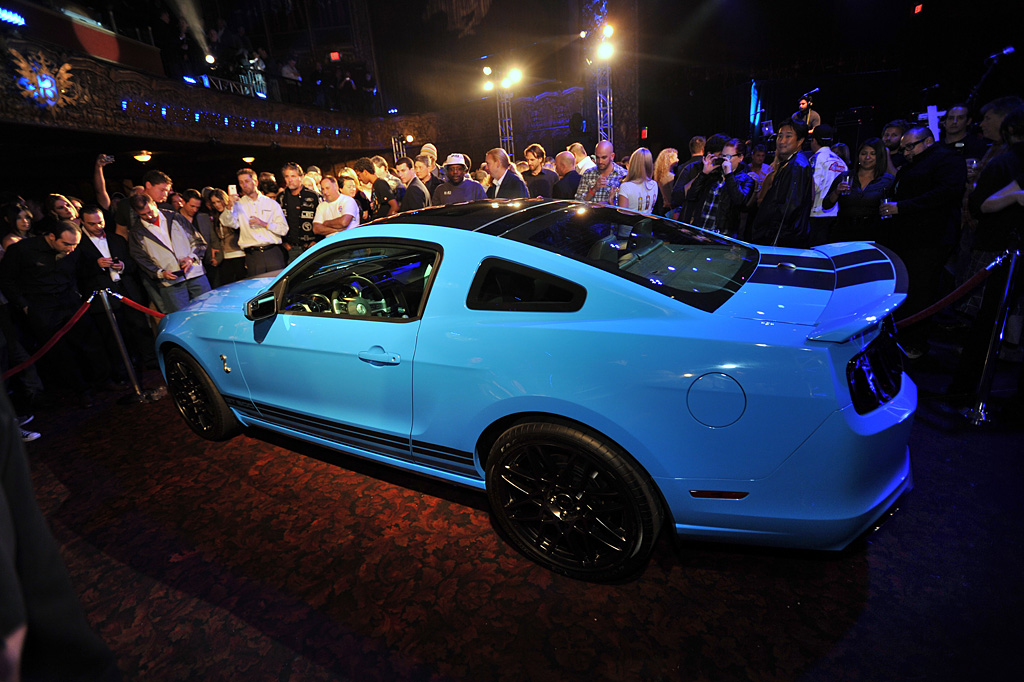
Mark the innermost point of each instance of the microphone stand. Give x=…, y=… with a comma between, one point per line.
x=977, y=86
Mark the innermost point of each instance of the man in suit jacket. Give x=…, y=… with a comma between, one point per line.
x=103, y=261
x=170, y=252
x=505, y=184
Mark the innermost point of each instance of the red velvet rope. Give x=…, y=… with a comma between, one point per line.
x=50, y=344
x=958, y=293
x=139, y=306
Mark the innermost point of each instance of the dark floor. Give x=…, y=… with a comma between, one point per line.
x=267, y=559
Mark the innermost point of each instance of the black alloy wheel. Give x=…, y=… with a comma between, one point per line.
x=198, y=400
x=572, y=502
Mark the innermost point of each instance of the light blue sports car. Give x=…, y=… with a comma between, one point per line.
x=599, y=372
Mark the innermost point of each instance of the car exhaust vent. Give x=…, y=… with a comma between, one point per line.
x=718, y=494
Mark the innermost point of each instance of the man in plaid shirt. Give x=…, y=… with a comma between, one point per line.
x=601, y=183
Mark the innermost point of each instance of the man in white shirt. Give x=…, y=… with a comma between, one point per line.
x=169, y=251
x=261, y=225
x=583, y=161
x=338, y=212
x=827, y=167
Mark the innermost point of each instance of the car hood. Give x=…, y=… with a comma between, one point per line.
x=231, y=297
x=838, y=290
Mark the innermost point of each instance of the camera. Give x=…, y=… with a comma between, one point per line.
x=107, y=158
x=718, y=162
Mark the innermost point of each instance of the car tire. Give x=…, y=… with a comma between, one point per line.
x=198, y=399
x=573, y=502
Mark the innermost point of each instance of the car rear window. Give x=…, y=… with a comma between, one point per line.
x=699, y=268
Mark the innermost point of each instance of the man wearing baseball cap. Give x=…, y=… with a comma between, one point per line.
x=458, y=188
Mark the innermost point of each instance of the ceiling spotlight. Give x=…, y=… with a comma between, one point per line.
x=605, y=51
x=487, y=71
x=143, y=156
x=210, y=59
x=488, y=86
x=607, y=31
x=583, y=34
x=248, y=159
x=515, y=75
x=506, y=84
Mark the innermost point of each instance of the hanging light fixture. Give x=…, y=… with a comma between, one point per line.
x=248, y=159
x=143, y=156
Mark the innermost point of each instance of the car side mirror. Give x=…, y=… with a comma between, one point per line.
x=261, y=307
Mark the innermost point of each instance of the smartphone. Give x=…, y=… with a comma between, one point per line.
x=232, y=190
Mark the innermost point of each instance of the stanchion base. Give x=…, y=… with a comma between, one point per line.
x=148, y=396
x=978, y=415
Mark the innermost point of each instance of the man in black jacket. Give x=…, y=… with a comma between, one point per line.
x=505, y=184
x=929, y=190
x=718, y=193
x=784, y=204
x=299, y=207
x=568, y=178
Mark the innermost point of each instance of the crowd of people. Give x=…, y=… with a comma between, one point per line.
x=945, y=206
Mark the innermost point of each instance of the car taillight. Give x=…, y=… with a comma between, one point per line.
x=876, y=374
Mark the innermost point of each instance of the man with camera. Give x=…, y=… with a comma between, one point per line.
x=718, y=193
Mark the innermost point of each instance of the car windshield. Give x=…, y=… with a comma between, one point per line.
x=699, y=268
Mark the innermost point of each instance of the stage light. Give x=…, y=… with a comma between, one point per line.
x=248, y=159
x=607, y=31
x=583, y=34
x=488, y=86
x=506, y=84
x=605, y=51
x=9, y=17
x=515, y=75
x=487, y=71
x=143, y=156
x=408, y=138
x=210, y=59
x=189, y=79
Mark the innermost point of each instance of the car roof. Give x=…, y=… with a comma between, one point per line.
x=495, y=217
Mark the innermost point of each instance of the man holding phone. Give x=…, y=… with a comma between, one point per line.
x=169, y=251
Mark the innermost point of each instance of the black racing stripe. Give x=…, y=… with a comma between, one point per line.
x=902, y=279
x=349, y=434
x=442, y=452
x=815, y=263
x=857, y=257
x=806, y=279
x=873, y=272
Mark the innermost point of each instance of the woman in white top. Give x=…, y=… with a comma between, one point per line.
x=639, y=191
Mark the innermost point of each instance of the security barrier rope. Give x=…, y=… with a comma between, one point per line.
x=71, y=323
x=953, y=296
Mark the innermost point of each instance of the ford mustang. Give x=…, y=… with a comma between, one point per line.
x=600, y=373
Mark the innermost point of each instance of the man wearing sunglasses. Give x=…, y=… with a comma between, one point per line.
x=928, y=191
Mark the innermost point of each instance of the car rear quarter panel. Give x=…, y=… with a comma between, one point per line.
x=624, y=365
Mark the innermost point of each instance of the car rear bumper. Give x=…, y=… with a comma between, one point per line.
x=832, y=489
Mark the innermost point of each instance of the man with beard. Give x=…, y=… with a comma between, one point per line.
x=458, y=188
x=929, y=189
x=601, y=183
x=784, y=202
x=539, y=180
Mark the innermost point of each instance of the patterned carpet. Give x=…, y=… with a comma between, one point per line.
x=267, y=559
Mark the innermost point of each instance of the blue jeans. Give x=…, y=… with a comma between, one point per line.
x=177, y=296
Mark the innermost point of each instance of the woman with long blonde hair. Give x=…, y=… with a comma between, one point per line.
x=663, y=175
x=639, y=191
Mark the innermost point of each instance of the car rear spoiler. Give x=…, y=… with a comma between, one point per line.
x=871, y=280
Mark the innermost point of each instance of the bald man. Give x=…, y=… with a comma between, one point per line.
x=568, y=178
x=601, y=183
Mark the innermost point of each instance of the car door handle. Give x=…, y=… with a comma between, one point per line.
x=378, y=356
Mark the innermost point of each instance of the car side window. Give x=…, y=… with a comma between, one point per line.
x=362, y=280
x=502, y=285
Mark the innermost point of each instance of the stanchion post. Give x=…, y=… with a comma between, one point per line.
x=120, y=342
x=979, y=413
